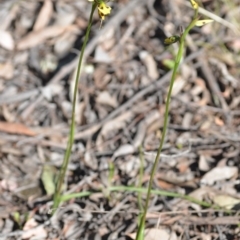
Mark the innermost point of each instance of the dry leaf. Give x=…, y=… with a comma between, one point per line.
x=178, y=85
x=90, y=161
x=225, y=201
x=9, y=116
x=124, y=150
x=156, y=234
x=111, y=126
x=44, y=16
x=87, y=133
x=64, y=44
x=140, y=135
x=16, y=128
x=101, y=55
x=106, y=99
x=205, y=236
x=203, y=163
x=117, y=123
x=199, y=194
x=227, y=77
x=65, y=18
x=38, y=232
x=219, y=173
x=236, y=44
x=31, y=223
x=219, y=121
x=165, y=185
x=130, y=167
x=35, y=38
x=79, y=117
x=6, y=40
x=6, y=70
x=150, y=64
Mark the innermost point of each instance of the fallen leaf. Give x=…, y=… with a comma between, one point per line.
x=30, y=223
x=130, y=167
x=178, y=85
x=116, y=123
x=106, y=99
x=44, y=16
x=16, y=128
x=219, y=173
x=101, y=55
x=203, y=163
x=35, y=233
x=124, y=150
x=6, y=70
x=35, y=38
x=140, y=134
x=90, y=161
x=6, y=40
x=64, y=43
x=198, y=194
x=7, y=114
x=205, y=236
x=165, y=185
x=150, y=64
x=225, y=201
x=219, y=121
x=236, y=44
x=156, y=234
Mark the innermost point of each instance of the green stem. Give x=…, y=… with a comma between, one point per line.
x=64, y=166
x=140, y=177
x=179, y=56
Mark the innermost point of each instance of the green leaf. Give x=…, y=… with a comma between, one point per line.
x=16, y=216
x=168, y=63
x=48, y=176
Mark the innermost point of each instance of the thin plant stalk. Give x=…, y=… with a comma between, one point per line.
x=138, y=190
x=140, y=232
x=62, y=172
x=139, y=197
x=140, y=177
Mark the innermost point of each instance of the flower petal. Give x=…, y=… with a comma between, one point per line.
x=104, y=9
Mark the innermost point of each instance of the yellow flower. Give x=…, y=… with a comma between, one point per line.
x=103, y=9
x=194, y=4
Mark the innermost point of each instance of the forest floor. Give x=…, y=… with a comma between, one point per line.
x=119, y=120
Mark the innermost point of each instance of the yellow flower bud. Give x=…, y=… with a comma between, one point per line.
x=194, y=4
x=171, y=40
x=200, y=23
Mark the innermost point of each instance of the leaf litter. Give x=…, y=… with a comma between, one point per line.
x=120, y=107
